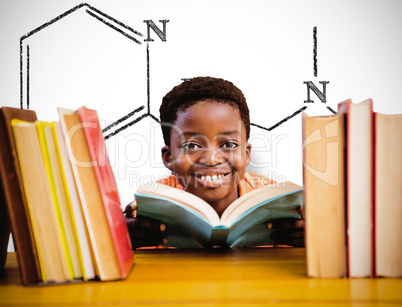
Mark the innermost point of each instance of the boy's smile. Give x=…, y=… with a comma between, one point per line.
x=208, y=151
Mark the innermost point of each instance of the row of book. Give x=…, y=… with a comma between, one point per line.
x=352, y=169
x=61, y=198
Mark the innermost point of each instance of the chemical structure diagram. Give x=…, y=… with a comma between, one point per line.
x=137, y=38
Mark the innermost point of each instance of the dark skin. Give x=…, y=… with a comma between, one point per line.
x=209, y=154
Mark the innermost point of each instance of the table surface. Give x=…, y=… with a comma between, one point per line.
x=250, y=277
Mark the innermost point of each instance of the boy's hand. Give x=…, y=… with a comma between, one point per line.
x=288, y=231
x=144, y=231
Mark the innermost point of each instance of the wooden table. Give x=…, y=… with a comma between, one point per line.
x=207, y=277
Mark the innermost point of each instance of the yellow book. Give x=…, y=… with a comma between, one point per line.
x=40, y=202
x=49, y=155
x=74, y=206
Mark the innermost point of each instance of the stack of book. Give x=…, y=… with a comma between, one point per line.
x=62, y=199
x=352, y=169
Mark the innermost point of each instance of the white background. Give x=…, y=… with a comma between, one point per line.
x=263, y=47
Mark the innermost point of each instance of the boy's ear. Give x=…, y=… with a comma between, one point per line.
x=248, y=153
x=167, y=157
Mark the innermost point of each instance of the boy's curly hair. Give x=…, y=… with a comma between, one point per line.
x=197, y=89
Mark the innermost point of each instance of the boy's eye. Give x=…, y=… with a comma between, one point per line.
x=229, y=145
x=190, y=146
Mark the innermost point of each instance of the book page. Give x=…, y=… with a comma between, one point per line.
x=189, y=200
x=250, y=200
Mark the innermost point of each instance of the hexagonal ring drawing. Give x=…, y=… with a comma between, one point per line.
x=73, y=46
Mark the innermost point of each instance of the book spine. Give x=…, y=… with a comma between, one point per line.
x=108, y=188
x=14, y=196
x=74, y=206
x=323, y=172
x=100, y=239
x=40, y=204
x=45, y=144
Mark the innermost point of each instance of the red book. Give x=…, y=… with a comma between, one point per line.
x=108, y=188
x=109, y=238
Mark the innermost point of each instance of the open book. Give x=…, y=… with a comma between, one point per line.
x=192, y=222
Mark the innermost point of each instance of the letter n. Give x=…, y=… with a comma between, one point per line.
x=320, y=95
x=152, y=25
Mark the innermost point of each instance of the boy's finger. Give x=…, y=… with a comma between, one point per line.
x=286, y=223
x=293, y=237
x=301, y=211
x=148, y=240
x=146, y=236
x=146, y=223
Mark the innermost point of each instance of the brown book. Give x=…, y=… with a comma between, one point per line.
x=388, y=195
x=323, y=175
x=95, y=214
x=14, y=197
x=4, y=228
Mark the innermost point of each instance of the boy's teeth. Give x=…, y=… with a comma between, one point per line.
x=213, y=177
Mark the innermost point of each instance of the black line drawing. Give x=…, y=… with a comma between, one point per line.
x=114, y=24
x=89, y=11
x=329, y=108
x=136, y=120
x=122, y=119
x=131, y=34
x=28, y=69
x=315, y=51
x=310, y=86
x=282, y=121
x=114, y=28
x=105, y=19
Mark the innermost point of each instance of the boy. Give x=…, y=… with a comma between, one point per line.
x=206, y=127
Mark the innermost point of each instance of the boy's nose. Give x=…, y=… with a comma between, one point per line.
x=211, y=157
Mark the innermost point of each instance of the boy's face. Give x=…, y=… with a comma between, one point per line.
x=208, y=151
